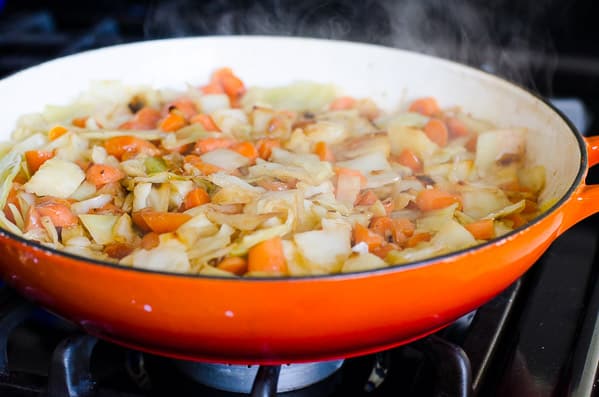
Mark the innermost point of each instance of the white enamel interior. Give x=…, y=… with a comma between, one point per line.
x=389, y=76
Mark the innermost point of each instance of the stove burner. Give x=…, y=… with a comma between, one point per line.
x=240, y=378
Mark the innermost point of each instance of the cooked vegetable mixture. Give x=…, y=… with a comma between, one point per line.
x=287, y=181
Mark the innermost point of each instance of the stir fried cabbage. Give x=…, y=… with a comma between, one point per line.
x=224, y=181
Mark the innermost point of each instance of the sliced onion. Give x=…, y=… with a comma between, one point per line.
x=226, y=159
x=83, y=207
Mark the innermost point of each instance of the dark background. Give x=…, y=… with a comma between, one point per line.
x=549, y=46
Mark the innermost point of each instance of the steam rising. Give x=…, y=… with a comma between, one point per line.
x=481, y=33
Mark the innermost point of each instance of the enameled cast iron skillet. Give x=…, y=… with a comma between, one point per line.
x=308, y=318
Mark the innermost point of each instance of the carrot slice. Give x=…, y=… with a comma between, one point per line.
x=146, y=118
x=79, y=122
x=58, y=210
x=164, y=222
x=231, y=84
x=57, y=132
x=267, y=256
x=481, y=230
x=246, y=149
x=265, y=147
x=236, y=265
x=436, y=130
x=196, y=197
x=35, y=159
x=342, y=103
x=172, y=122
x=427, y=106
x=322, y=150
x=197, y=162
x=210, y=144
x=434, y=199
x=206, y=122
x=456, y=127
x=120, y=145
x=362, y=235
x=417, y=239
x=101, y=174
x=410, y=160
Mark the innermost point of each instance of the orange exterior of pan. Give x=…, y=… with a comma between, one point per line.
x=302, y=319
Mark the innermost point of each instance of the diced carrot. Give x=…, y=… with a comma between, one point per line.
x=349, y=171
x=384, y=249
x=417, y=239
x=101, y=174
x=427, y=106
x=246, y=149
x=233, y=86
x=150, y=240
x=410, y=160
x=235, y=264
x=35, y=159
x=118, y=250
x=206, y=122
x=57, y=132
x=362, y=234
x=265, y=147
x=197, y=162
x=382, y=225
x=481, y=230
x=342, y=103
x=268, y=256
x=366, y=197
x=436, y=130
x=185, y=106
x=119, y=145
x=58, y=210
x=146, y=118
x=434, y=199
x=210, y=144
x=471, y=144
x=456, y=127
x=322, y=150
x=172, y=122
x=80, y=122
x=164, y=222
x=196, y=197
x=402, y=229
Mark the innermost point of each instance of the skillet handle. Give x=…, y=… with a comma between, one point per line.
x=585, y=200
x=592, y=149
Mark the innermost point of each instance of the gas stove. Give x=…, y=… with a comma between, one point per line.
x=540, y=337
